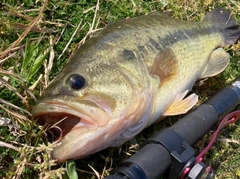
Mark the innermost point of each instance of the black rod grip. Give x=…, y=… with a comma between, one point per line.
x=200, y=120
x=154, y=159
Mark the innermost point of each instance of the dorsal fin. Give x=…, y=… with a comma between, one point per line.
x=164, y=66
x=157, y=13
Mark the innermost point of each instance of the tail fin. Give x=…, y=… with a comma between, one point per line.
x=230, y=28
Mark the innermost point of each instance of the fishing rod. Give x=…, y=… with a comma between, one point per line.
x=169, y=151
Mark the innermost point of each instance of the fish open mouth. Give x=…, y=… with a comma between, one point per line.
x=58, y=124
x=68, y=121
x=61, y=119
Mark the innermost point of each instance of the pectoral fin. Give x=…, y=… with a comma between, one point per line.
x=164, y=66
x=180, y=105
x=218, y=61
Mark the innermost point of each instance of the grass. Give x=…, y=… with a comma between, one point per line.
x=42, y=35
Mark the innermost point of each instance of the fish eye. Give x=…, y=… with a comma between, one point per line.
x=77, y=81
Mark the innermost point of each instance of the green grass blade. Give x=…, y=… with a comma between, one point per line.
x=71, y=169
x=38, y=62
x=31, y=51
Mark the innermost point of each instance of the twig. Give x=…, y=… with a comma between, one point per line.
x=14, y=106
x=50, y=63
x=52, y=55
x=23, y=35
x=5, y=72
x=134, y=5
x=4, y=121
x=57, y=38
x=19, y=116
x=226, y=140
x=9, y=56
x=91, y=29
x=20, y=168
x=58, y=24
x=91, y=8
x=35, y=83
x=28, y=10
x=84, y=171
x=104, y=169
x=70, y=40
x=4, y=144
x=30, y=93
x=96, y=173
x=84, y=39
x=235, y=3
x=95, y=15
x=4, y=82
x=13, y=89
x=17, y=13
x=92, y=25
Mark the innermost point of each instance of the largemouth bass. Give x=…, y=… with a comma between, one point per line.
x=130, y=75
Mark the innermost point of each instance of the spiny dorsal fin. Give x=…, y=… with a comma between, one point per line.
x=164, y=66
x=218, y=61
x=157, y=13
x=180, y=105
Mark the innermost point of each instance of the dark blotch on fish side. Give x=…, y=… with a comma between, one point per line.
x=128, y=54
x=181, y=35
x=142, y=51
x=155, y=44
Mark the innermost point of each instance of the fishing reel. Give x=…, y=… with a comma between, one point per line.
x=200, y=171
x=184, y=165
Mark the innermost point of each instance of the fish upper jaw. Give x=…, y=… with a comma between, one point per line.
x=55, y=109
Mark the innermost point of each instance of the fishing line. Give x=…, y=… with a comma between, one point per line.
x=230, y=118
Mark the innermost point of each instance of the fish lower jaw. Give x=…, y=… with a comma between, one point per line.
x=76, y=146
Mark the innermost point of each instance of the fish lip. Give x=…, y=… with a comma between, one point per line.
x=60, y=118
